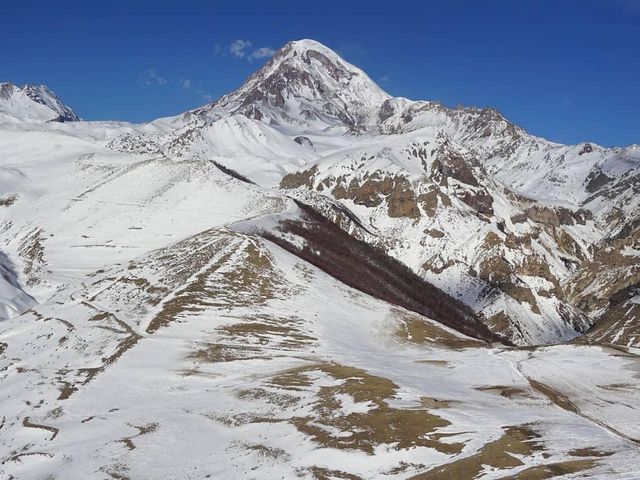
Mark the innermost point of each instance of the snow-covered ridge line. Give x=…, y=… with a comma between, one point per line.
x=33, y=103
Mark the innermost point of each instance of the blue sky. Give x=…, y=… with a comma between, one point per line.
x=565, y=70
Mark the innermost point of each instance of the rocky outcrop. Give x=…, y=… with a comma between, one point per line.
x=449, y=163
x=402, y=200
x=302, y=140
x=480, y=200
x=299, y=179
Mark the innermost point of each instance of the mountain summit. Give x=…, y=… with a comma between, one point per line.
x=306, y=84
x=33, y=103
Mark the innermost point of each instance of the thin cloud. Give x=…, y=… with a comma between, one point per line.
x=238, y=48
x=150, y=78
x=244, y=49
x=262, y=52
x=185, y=83
x=384, y=79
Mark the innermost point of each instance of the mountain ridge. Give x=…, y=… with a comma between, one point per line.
x=34, y=103
x=309, y=120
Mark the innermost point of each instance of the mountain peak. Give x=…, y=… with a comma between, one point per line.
x=309, y=44
x=306, y=84
x=33, y=103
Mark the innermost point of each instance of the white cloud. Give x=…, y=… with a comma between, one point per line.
x=262, y=52
x=243, y=49
x=238, y=47
x=150, y=78
x=217, y=49
x=384, y=79
x=185, y=83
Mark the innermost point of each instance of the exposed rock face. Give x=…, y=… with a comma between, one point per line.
x=596, y=180
x=299, y=179
x=301, y=140
x=429, y=201
x=371, y=191
x=455, y=167
x=402, y=200
x=481, y=201
x=518, y=217
x=607, y=286
x=6, y=90
x=587, y=148
x=130, y=143
x=619, y=322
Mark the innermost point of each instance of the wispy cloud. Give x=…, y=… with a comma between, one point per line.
x=384, y=79
x=239, y=47
x=185, y=83
x=150, y=78
x=262, y=52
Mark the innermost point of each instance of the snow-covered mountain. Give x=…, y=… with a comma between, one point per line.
x=309, y=278
x=33, y=103
x=305, y=86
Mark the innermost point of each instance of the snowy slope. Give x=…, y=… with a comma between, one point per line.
x=32, y=103
x=225, y=350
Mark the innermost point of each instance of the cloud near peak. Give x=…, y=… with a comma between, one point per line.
x=262, y=52
x=244, y=49
x=238, y=48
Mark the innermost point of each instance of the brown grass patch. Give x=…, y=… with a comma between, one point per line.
x=327, y=474
x=552, y=470
x=500, y=454
x=253, y=280
x=255, y=336
x=418, y=330
x=379, y=424
x=588, y=452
